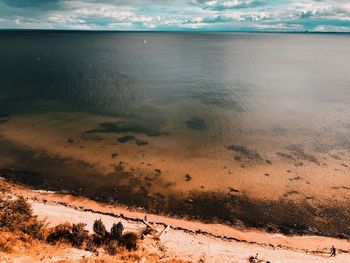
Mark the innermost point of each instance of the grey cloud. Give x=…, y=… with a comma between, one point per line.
x=29, y=3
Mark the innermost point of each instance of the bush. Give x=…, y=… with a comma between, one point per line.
x=20, y=224
x=60, y=233
x=14, y=213
x=90, y=245
x=129, y=240
x=98, y=240
x=117, y=231
x=22, y=207
x=112, y=247
x=75, y=234
x=35, y=229
x=17, y=215
x=79, y=234
x=99, y=228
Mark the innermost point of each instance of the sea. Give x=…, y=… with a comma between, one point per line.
x=220, y=126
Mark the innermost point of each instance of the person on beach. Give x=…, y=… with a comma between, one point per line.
x=333, y=251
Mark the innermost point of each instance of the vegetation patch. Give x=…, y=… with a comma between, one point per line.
x=18, y=224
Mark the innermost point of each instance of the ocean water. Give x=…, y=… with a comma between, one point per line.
x=239, y=113
x=251, y=76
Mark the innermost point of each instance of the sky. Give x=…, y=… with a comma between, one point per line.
x=177, y=15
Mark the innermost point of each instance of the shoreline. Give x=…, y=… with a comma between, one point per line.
x=281, y=217
x=308, y=245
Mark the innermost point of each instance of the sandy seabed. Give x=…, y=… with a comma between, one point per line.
x=274, y=184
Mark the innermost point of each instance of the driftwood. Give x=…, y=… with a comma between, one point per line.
x=163, y=231
x=148, y=225
x=153, y=231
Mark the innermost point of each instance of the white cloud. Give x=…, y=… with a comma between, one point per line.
x=330, y=28
x=179, y=14
x=230, y=4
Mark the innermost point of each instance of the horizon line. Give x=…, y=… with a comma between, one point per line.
x=176, y=31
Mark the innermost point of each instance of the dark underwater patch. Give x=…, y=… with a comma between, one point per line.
x=140, y=142
x=243, y=152
x=298, y=151
x=126, y=138
x=196, y=123
x=336, y=157
x=285, y=155
x=278, y=130
x=4, y=117
x=322, y=147
x=3, y=120
x=125, y=126
x=222, y=99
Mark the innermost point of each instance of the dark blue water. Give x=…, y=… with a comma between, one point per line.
x=122, y=72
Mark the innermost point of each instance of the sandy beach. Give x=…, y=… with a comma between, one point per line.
x=187, y=240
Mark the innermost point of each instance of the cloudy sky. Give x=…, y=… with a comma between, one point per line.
x=232, y=15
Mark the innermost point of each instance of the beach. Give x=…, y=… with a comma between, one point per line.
x=185, y=240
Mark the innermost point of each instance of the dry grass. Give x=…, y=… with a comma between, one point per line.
x=24, y=238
